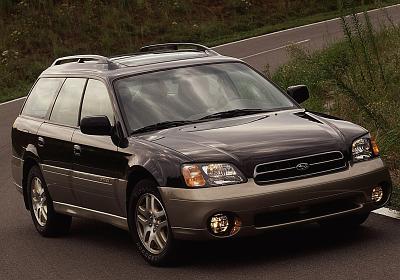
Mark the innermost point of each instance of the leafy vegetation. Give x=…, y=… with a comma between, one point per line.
x=357, y=80
x=34, y=33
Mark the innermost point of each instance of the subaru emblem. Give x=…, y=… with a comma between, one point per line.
x=302, y=166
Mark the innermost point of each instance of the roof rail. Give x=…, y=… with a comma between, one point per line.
x=176, y=47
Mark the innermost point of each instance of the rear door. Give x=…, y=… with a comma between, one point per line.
x=36, y=109
x=98, y=165
x=54, y=140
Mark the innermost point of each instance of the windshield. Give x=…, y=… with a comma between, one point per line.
x=196, y=92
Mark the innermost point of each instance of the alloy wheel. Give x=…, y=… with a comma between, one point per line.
x=39, y=201
x=151, y=223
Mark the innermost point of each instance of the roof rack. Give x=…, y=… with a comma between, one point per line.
x=176, y=47
x=98, y=59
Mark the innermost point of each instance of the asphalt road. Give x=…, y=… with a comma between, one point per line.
x=271, y=49
x=98, y=251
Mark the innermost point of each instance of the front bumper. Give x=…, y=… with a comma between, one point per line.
x=269, y=206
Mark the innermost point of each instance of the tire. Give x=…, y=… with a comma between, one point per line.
x=346, y=222
x=147, y=230
x=47, y=222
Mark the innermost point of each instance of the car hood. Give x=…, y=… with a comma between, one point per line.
x=250, y=140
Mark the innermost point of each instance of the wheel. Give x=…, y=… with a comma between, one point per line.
x=149, y=227
x=349, y=221
x=47, y=222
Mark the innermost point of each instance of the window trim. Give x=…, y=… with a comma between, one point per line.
x=81, y=104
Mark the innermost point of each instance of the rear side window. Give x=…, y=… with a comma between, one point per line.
x=66, y=107
x=96, y=101
x=42, y=95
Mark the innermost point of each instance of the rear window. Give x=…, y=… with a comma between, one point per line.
x=42, y=95
x=66, y=108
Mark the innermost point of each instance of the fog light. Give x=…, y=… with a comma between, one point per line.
x=219, y=224
x=377, y=194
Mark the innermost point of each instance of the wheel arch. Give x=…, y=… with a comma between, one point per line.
x=136, y=174
x=30, y=160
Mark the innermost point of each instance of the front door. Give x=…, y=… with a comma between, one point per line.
x=97, y=165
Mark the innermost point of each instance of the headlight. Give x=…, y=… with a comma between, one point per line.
x=213, y=174
x=364, y=148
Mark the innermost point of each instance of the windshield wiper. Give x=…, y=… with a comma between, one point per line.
x=234, y=113
x=161, y=125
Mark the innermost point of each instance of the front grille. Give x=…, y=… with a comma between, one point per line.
x=291, y=169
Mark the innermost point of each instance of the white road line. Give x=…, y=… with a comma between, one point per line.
x=388, y=212
x=299, y=27
x=11, y=101
x=276, y=49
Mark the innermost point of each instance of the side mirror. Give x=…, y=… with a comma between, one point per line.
x=299, y=93
x=96, y=125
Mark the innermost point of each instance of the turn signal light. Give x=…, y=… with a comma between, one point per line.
x=236, y=226
x=193, y=176
x=375, y=147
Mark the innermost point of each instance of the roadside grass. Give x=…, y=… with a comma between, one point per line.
x=358, y=80
x=294, y=21
x=34, y=33
x=395, y=201
x=15, y=92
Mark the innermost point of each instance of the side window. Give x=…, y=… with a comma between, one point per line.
x=39, y=101
x=96, y=101
x=66, y=107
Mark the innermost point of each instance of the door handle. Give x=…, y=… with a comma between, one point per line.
x=77, y=150
x=40, y=142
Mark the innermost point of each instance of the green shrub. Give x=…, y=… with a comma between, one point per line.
x=34, y=33
x=358, y=80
